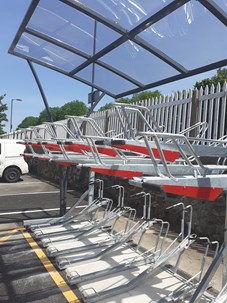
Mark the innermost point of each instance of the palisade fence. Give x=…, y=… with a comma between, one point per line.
x=177, y=112
x=174, y=113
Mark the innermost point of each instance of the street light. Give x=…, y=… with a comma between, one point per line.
x=11, y=114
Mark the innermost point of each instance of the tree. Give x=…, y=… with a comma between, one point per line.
x=105, y=107
x=136, y=98
x=109, y=105
x=29, y=121
x=3, y=117
x=73, y=108
x=124, y=100
x=145, y=95
x=220, y=77
x=55, y=113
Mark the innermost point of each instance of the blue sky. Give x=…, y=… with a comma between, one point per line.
x=17, y=80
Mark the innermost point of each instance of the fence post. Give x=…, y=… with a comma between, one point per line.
x=84, y=128
x=140, y=121
x=194, y=112
x=107, y=121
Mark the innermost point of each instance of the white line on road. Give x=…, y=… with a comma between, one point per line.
x=35, y=193
x=20, y=183
x=29, y=211
x=34, y=211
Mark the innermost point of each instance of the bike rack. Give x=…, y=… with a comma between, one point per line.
x=153, y=265
x=178, y=171
x=204, y=284
x=119, y=237
x=186, y=290
x=140, y=257
x=64, y=247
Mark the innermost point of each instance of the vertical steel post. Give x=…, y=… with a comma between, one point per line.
x=91, y=187
x=95, y=98
x=64, y=172
x=224, y=280
x=49, y=116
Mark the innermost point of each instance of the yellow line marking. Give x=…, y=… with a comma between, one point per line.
x=10, y=229
x=59, y=281
x=10, y=234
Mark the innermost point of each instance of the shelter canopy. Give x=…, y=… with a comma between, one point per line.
x=122, y=47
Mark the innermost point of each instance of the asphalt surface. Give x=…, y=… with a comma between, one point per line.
x=31, y=198
x=26, y=273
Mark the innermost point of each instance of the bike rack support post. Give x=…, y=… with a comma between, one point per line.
x=91, y=187
x=224, y=280
x=64, y=172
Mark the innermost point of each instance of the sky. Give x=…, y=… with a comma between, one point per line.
x=17, y=81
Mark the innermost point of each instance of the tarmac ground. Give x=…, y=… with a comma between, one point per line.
x=26, y=274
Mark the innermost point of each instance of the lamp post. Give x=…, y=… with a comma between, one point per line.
x=11, y=113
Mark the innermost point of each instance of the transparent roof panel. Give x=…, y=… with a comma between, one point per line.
x=129, y=56
x=126, y=13
x=122, y=47
x=186, y=32
x=69, y=26
x=47, y=53
x=222, y=4
x=106, y=79
x=104, y=36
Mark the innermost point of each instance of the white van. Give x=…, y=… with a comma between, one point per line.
x=12, y=163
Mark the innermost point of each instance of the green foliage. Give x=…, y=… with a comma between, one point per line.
x=145, y=96
x=3, y=117
x=105, y=107
x=136, y=98
x=29, y=121
x=73, y=108
x=124, y=100
x=43, y=117
x=220, y=77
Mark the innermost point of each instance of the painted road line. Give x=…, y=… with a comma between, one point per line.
x=10, y=234
x=19, y=183
x=30, y=211
x=34, y=193
x=59, y=281
x=36, y=211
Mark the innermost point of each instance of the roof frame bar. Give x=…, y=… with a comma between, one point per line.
x=96, y=16
x=80, y=53
x=119, y=73
x=177, y=77
x=130, y=35
x=63, y=72
x=160, y=54
x=215, y=10
x=25, y=21
x=56, y=42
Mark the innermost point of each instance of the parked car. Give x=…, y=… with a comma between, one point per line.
x=12, y=163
